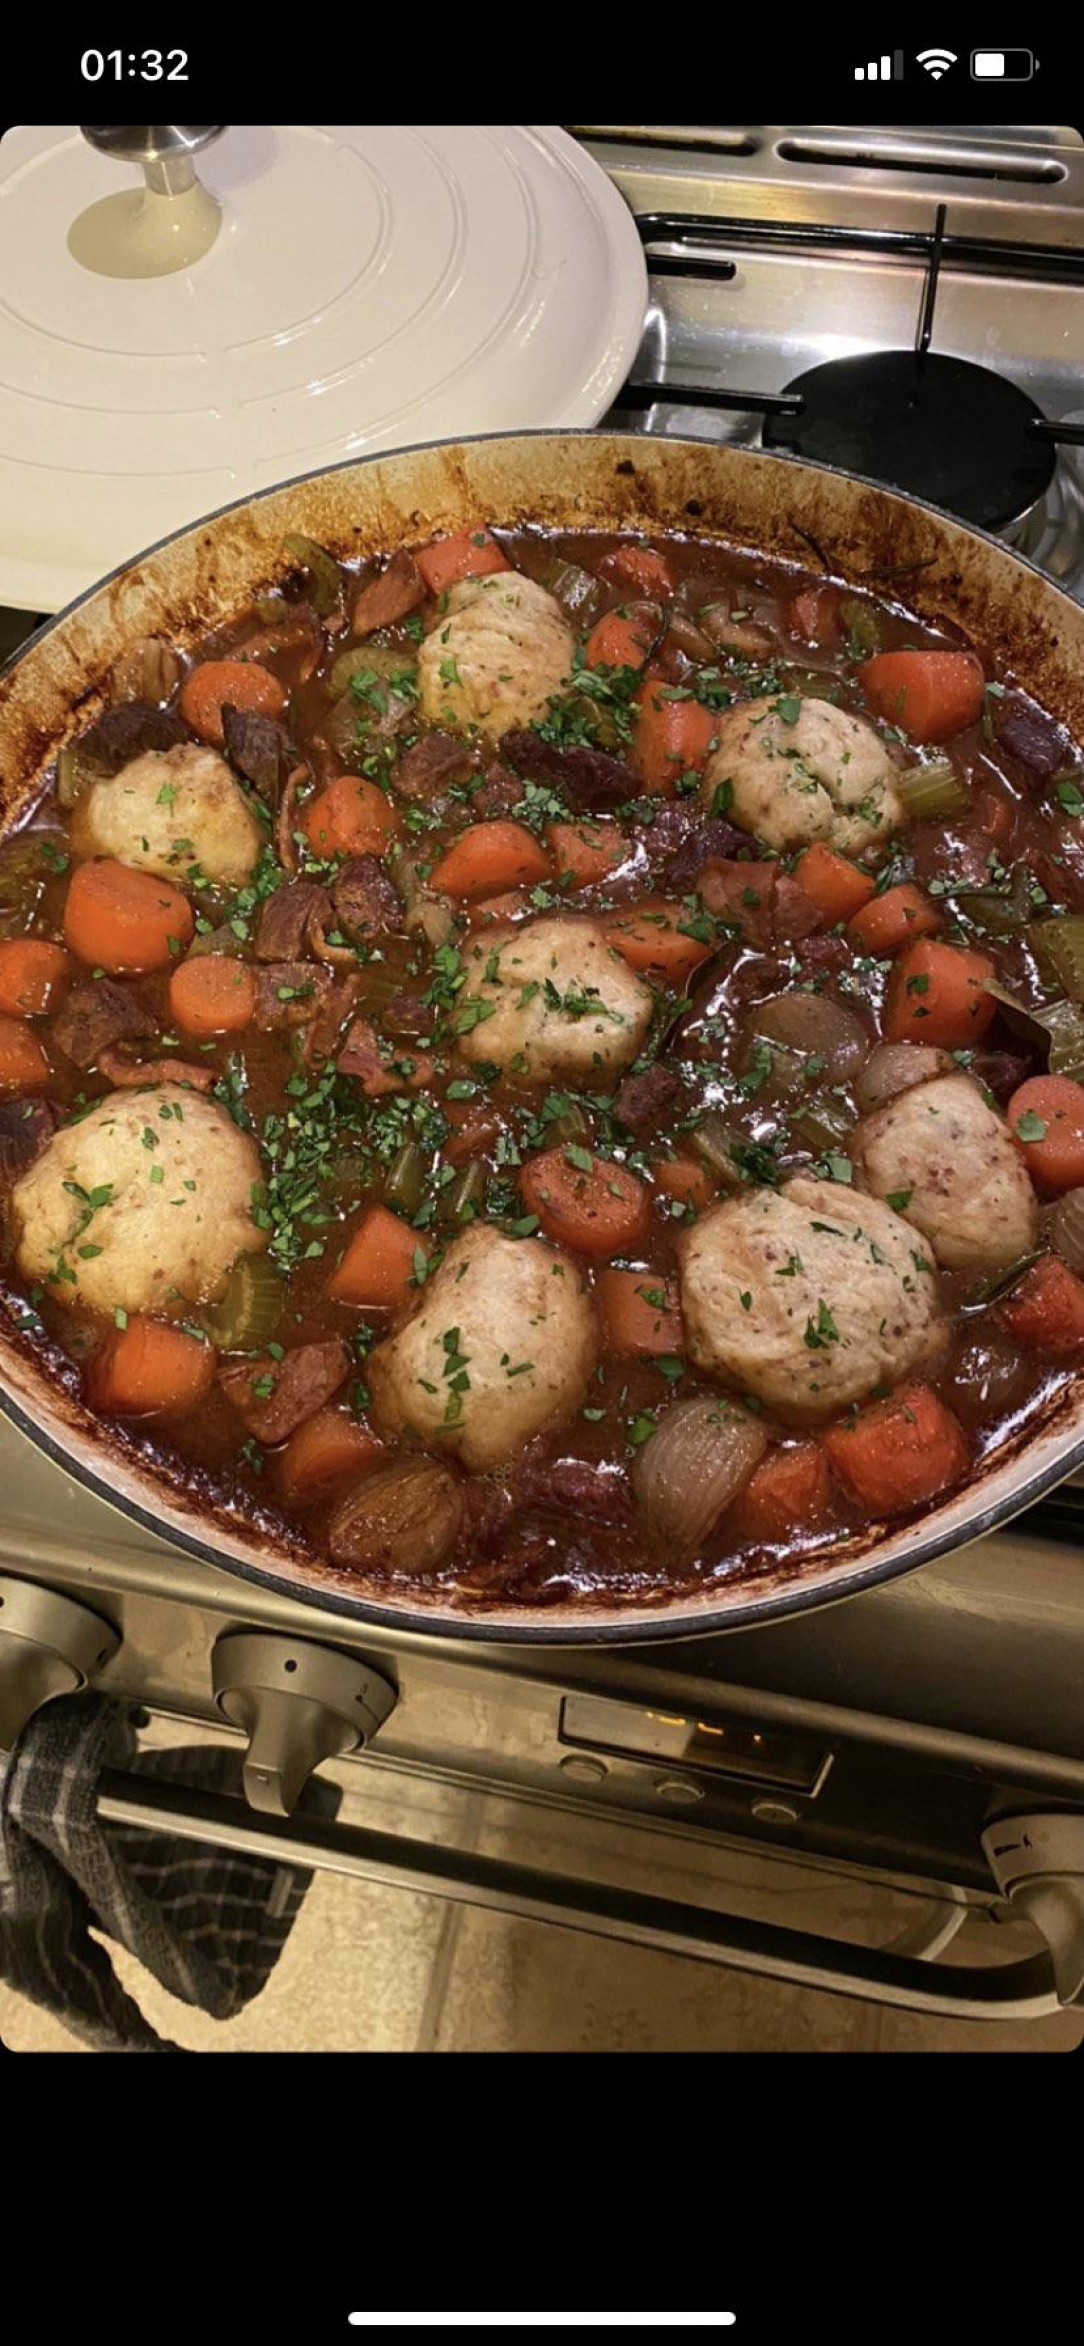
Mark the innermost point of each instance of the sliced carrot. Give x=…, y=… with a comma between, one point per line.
x=937, y=994
x=640, y=1311
x=833, y=883
x=641, y=568
x=586, y=852
x=900, y=1452
x=489, y=858
x=1046, y=1116
x=325, y=1447
x=125, y=921
x=350, y=817
x=621, y=639
x=814, y=615
x=214, y=994
x=30, y=972
x=673, y=735
x=506, y=907
x=379, y=1262
x=23, y=1064
x=1046, y=1309
x=219, y=684
x=790, y=1491
x=684, y=1178
x=149, y=1367
x=929, y=695
x=654, y=935
x=597, y=1208
x=474, y=554
x=889, y=922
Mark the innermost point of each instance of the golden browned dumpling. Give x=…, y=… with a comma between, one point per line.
x=554, y=997
x=497, y=652
x=145, y=1203
x=499, y=1349
x=800, y=770
x=952, y=1161
x=809, y=1297
x=174, y=811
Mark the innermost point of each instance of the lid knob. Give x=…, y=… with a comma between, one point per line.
x=164, y=150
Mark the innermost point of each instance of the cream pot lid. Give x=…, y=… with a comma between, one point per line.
x=368, y=288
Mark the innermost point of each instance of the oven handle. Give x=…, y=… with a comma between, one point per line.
x=1007, y=1991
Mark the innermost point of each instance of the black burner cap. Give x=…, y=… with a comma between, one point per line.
x=954, y=433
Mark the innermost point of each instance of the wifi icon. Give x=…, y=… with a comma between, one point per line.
x=936, y=61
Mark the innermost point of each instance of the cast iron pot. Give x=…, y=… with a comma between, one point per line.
x=571, y=481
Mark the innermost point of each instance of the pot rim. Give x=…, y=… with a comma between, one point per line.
x=684, y=1619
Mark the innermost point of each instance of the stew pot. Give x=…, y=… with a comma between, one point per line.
x=566, y=481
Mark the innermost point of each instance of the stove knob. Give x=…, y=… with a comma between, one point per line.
x=1038, y=1864
x=299, y=1704
x=49, y=1645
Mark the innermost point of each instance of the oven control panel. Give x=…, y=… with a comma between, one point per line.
x=714, y=1747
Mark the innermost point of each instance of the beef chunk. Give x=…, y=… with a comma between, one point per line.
x=642, y=1100
x=599, y=1492
x=1030, y=736
x=289, y=993
x=25, y=1127
x=429, y=763
x=498, y=792
x=364, y=901
x=587, y=779
x=121, y=734
x=704, y=841
x=260, y=749
x=1002, y=1072
x=275, y=1397
x=393, y=594
x=131, y=1075
x=287, y=920
x=332, y=1013
x=96, y=1016
x=361, y=1057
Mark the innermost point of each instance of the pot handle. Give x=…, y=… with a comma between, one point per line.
x=1011, y=1991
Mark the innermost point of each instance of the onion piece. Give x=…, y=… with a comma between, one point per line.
x=692, y=1466
x=817, y=1026
x=150, y=670
x=1066, y=1228
x=405, y=1519
x=896, y=1067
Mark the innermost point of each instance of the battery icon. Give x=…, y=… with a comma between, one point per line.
x=1002, y=64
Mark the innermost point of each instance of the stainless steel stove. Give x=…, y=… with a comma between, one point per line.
x=712, y=1796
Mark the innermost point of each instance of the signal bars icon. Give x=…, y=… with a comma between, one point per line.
x=887, y=68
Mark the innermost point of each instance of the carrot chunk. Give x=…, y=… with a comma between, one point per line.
x=640, y=568
x=833, y=883
x=1046, y=1116
x=673, y=736
x=30, y=972
x=23, y=1064
x=683, y=1178
x=125, y=921
x=640, y=1311
x=654, y=935
x=814, y=615
x=889, y=922
x=377, y=1267
x=219, y=684
x=149, y=1367
x=325, y=1447
x=350, y=817
x=900, y=1452
x=790, y=1491
x=621, y=639
x=586, y=852
x=937, y=994
x=1046, y=1309
x=490, y=858
x=597, y=1208
x=473, y=554
x=929, y=695
x=212, y=995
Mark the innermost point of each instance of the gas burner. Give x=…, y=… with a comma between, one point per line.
x=935, y=427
